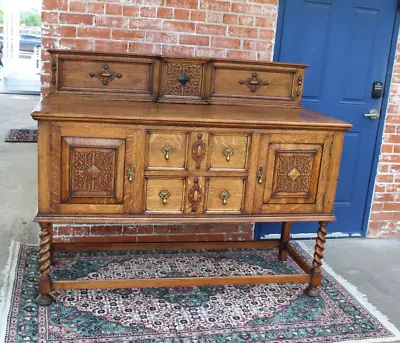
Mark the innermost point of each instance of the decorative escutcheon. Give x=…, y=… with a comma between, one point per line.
x=260, y=175
x=166, y=151
x=130, y=173
x=253, y=82
x=224, y=197
x=105, y=75
x=228, y=152
x=164, y=195
x=198, y=150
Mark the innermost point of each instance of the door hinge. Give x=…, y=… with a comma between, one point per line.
x=51, y=142
x=51, y=200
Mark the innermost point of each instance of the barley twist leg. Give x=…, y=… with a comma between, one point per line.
x=284, y=242
x=44, y=297
x=316, y=275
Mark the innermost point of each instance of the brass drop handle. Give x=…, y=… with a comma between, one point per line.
x=130, y=173
x=164, y=195
x=224, y=197
x=228, y=152
x=166, y=151
x=260, y=175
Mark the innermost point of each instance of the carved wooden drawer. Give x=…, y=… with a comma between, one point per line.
x=247, y=83
x=91, y=170
x=224, y=194
x=166, y=150
x=165, y=194
x=182, y=79
x=131, y=76
x=292, y=172
x=229, y=152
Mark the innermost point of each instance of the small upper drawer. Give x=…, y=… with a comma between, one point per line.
x=164, y=195
x=224, y=194
x=166, y=150
x=129, y=76
x=256, y=83
x=229, y=152
x=182, y=80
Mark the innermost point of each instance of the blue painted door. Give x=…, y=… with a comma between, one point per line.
x=346, y=44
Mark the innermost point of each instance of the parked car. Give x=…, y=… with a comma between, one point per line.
x=27, y=42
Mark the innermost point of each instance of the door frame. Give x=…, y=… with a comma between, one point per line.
x=384, y=107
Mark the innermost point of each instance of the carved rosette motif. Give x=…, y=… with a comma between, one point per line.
x=294, y=173
x=93, y=171
x=199, y=150
x=174, y=84
x=195, y=195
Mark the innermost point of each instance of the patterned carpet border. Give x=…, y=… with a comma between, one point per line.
x=22, y=136
x=93, y=316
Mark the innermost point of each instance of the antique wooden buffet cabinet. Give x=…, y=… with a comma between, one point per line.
x=129, y=139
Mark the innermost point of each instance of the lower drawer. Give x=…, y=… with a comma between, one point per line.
x=225, y=194
x=165, y=195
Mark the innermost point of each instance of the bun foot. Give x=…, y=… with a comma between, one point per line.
x=44, y=300
x=312, y=291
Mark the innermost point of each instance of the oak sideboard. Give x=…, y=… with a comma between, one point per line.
x=129, y=139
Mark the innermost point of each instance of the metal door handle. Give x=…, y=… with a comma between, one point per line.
x=373, y=114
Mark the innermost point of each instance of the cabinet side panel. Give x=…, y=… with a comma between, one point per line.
x=336, y=154
x=44, y=168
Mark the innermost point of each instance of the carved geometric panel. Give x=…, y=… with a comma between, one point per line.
x=293, y=172
x=93, y=171
x=183, y=79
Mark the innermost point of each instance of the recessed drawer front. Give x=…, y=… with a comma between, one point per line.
x=229, y=152
x=166, y=150
x=224, y=194
x=255, y=83
x=129, y=76
x=165, y=194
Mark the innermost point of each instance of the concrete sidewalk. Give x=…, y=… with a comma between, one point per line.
x=373, y=266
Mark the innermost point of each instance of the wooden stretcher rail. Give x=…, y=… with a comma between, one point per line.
x=181, y=282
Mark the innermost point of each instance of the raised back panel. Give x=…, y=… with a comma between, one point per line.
x=105, y=75
x=176, y=80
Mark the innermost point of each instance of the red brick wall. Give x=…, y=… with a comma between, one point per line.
x=385, y=209
x=236, y=29
x=240, y=29
x=152, y=233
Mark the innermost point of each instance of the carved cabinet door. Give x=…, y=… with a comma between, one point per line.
x=92, y=169
x=292, y=172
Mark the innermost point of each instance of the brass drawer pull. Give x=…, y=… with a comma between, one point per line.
x=228, y=152
x=166, y=151
x=260, y=175
x=130, y=173
x=224, y=197
x=164, y=195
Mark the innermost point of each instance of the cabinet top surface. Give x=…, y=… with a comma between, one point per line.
x=148, y=113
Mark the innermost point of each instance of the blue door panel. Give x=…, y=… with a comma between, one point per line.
x=346, y=44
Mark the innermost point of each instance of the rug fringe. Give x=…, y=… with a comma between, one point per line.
x=8, y=275
x=363, y=300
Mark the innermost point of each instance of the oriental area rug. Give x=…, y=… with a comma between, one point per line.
x=251, y=313
x=21, y=136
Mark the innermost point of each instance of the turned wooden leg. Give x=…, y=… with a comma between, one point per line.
x=44, y=297
x=313, y=289
x=285, y=237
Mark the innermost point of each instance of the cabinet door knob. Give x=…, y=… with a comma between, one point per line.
x=260, y=175
x=167, y=151
x=164, y=195
x=224, y=197
x=228, y=152
x=130, y=173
